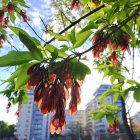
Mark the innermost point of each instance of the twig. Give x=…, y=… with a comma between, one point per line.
x=67, y=17
x=133, y=65
x=131, y=106
x=42, y=22
x=35, y=32
x=32, y=28
x=75, y=22
x=12, y=45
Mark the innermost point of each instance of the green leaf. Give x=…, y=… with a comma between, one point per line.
x=52, y=48
x=137, y=94
x=119, y=76
x=22, y=77
x=98, y=15
x=27, y=41
x=91, y=25
x=112, y=79
x=30, y=42
x=14, y=58
x=102, y=66
x=81, y=38
x=106, y=72
x=25, y=99
x=59, y=37
x=79, y=70
x=98, y=115
x=110, y=119
x=129, y=31
x=132, y=82
x=13, y=76
x=17, y=30
x=2, y=31
x=108, y=93
x=72, y=36
x=116, y=97
x=12, y=17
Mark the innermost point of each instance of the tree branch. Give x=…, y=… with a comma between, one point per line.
x=135, y=13
x=12, y=45
x=124, y=117
x=75, y=22
x=35, y=32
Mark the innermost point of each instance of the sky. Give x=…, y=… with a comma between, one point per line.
x=91, y=83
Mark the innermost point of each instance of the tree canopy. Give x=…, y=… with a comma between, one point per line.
x=56, y=70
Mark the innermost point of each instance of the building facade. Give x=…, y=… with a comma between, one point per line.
x=98, y=128
x=76, y=121
x=32, y=124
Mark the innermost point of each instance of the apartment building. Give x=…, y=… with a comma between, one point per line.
x=97, y=128
x=32, y=124
x=74, y=123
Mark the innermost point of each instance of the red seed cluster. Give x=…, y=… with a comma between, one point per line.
x=2, y=39
x=3, y=21
x=52, y=91
x=24, y=16
x=124, y=42
x=96, y=3
x=17, y=113
x=113, y=128
x=75, y=4
x=8, y=107
x=102, y=43
x=10, y=8
x=100, y=47
x=113, y=59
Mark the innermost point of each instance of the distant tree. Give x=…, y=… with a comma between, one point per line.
x=6, y=130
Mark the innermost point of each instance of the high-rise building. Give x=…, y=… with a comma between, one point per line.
x=97, y=128
x=76, y=121
x=32, y=124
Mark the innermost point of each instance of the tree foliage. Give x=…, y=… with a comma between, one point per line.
x=6, y=130
x=56, y=71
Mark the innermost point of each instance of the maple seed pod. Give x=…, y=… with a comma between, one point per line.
x=113, y=128
x=100, y=46
x=113, y=59
x=1, y=16
x=10, y=8
x=24, y=16
x=75, y=4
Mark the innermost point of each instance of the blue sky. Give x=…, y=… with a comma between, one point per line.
x=92, y=81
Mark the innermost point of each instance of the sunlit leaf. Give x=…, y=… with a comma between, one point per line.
x=79, y=69
x=81, y=38
x=137, y=94
x=59, y=37
x=14, y=58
